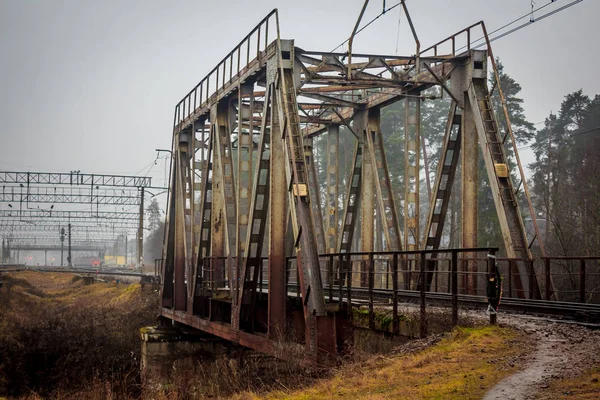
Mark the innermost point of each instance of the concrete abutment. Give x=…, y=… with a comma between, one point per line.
x=163, y=346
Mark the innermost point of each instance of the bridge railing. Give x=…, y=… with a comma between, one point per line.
x=564, y=279
x=404, y=271
x=232, y=65
x=574, y=279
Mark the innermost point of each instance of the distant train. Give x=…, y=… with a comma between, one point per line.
x=88, y=261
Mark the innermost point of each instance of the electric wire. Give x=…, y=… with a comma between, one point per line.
x=369, y=23
x=398, y=33
x=528, y=14
x=504, y=34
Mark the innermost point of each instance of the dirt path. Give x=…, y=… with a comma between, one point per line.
x=561, y=351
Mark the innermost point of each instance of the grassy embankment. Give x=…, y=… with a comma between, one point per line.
x=586, y=387
x=464, y=365
x=59, y=337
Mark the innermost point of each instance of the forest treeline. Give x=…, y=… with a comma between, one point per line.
x=562, y=178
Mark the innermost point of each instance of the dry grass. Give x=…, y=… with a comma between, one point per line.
x=58, y=336
x=585, y=386
x=462, y=366
x=61, y=339
x=236, y=375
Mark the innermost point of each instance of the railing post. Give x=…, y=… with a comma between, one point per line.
x=492, y=272
x=297, y=280
x=465, y=283
x=436, y=271
x=213, y=273
x=454, y=277
x=532, y=279
x=259, y=261
x=387, y=274
x=548, y=283
x=582, y=281
x=396, y=327
x=341, y=271
x=258, y=44
x=330, y=273
x=510, y=279
x=423, y=312
x=371, y=272
x=349, y=282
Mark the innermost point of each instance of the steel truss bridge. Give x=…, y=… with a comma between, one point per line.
x=237, y=214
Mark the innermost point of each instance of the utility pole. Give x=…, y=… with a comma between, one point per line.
x=69, y=253
x=140, y=235
x=62, y=245
x=125, y=249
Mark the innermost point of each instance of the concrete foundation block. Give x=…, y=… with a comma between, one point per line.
x=163, y=346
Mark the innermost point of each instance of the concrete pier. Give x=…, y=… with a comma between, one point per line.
x=162, y=346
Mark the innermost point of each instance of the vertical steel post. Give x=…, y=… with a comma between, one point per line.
x=412, y=134
x=371, y=284
x=330, y=276
x=533, y=294
x=582, y=280
x=315, y=197
x=141, y=228
x=491, y=267
x=180, y=246
x=278, y=199
x=396, y=327
x=510, y=274
x=69, y=259
x=217, y=228
x=367, y=198
x=422, y=311
x=548, y=291
x=333, y=168
x=454, y=273
x=341, y=278
x=470, y=187
x=348, y=269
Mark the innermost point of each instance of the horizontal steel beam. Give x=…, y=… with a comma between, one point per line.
x=54, y=225
x=34, y=215
x=56, y=241
x=30, y=247
x=69, y=194
x=73, y=179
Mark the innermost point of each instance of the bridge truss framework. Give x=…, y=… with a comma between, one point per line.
x=248, y=217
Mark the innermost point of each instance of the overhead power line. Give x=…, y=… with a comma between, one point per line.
x=367, y=24
x=530, y=22
x=530, y=14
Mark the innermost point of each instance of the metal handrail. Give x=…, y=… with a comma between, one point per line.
x=200, y=94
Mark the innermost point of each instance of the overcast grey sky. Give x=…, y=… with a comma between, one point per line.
x=91, y=85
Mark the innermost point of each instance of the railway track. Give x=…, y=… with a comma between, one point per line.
x=584, y=312
x=77, y=271
x=581, y=312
